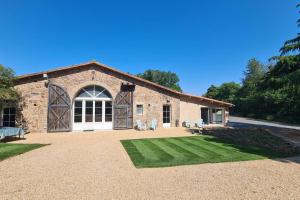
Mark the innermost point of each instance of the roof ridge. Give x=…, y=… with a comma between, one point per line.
x=122, y=73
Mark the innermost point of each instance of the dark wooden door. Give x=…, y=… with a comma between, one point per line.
x=204, y=115
x=59, y=109
x=123, y=110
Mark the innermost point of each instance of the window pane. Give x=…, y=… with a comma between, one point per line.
x=108, y=118
x=83, y=93
x=139, y=109
x=78, y=118
x=5, y=123
x=89, y=111
x=89, y=104
x=108, y=111
x=105, y=94
x=88, y=118
x=5, y=117
x=89, y=90
x=98, y=104
x=78, y=111
x=98, y=111
x=6, y=111
x=98, y=118
x=78, y=104
x=12, y=118
x=108, y=104
x=12, y=111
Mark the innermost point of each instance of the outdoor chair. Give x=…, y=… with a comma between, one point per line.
x=153, y=125
x=200, y=124
x=187, y=124
x=198, y=127
x=140, y=125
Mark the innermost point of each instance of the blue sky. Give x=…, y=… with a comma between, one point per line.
x=205, y=42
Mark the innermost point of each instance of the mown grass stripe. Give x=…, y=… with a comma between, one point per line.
x=134, y=154
x=168, y=149
x=159, y=151
x=200, y=150
x=145, y=150
x=228, y=152
x=179, y=151
x=221, y=150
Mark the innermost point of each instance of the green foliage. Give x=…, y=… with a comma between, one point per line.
x=253, y=74
x=272, y=94
x=292, y=45
x=226, y=92
x=7, y=90
x=167, y=79
x=247, y=96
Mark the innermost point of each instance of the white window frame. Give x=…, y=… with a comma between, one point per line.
x=92, y=125
x=2, y=114
x=223, y=114
x=138, y=107
x=167, y=125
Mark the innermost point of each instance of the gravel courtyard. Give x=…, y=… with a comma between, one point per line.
x=94, y=165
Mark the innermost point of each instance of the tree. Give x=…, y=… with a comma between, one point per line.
x=225, y=92
x=253, y=74
x=212, y=92
x=7, y=91
x=167, y=79
x=272, y=94
x=248, y=103
x=292, y=45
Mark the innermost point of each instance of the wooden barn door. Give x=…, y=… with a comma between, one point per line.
x=123, y=110
x=59, y=109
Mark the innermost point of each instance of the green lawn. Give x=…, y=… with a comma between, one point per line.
x=8, y=150
x=163, y=152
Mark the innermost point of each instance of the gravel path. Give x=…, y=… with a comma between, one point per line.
x=95, y=166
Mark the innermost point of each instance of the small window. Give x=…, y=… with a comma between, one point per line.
x=166, y=114
x=139, y=109
x=9, y=117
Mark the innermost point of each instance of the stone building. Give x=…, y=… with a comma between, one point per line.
x=92, y=96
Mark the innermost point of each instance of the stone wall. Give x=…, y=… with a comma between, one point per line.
x=35, y=95
x=189, y=112
x=34, y=105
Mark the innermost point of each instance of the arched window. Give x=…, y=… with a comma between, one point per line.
x=93, y=91
x=93, y=109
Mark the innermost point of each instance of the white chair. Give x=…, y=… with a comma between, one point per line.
x=200, y=124
x=153, y=125
x=140, y=125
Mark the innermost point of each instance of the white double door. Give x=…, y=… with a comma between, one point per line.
x=92, y=114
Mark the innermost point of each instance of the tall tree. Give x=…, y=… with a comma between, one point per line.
x=292, y=45
x=247, y=96
x=167, y=79
x=253, y=74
